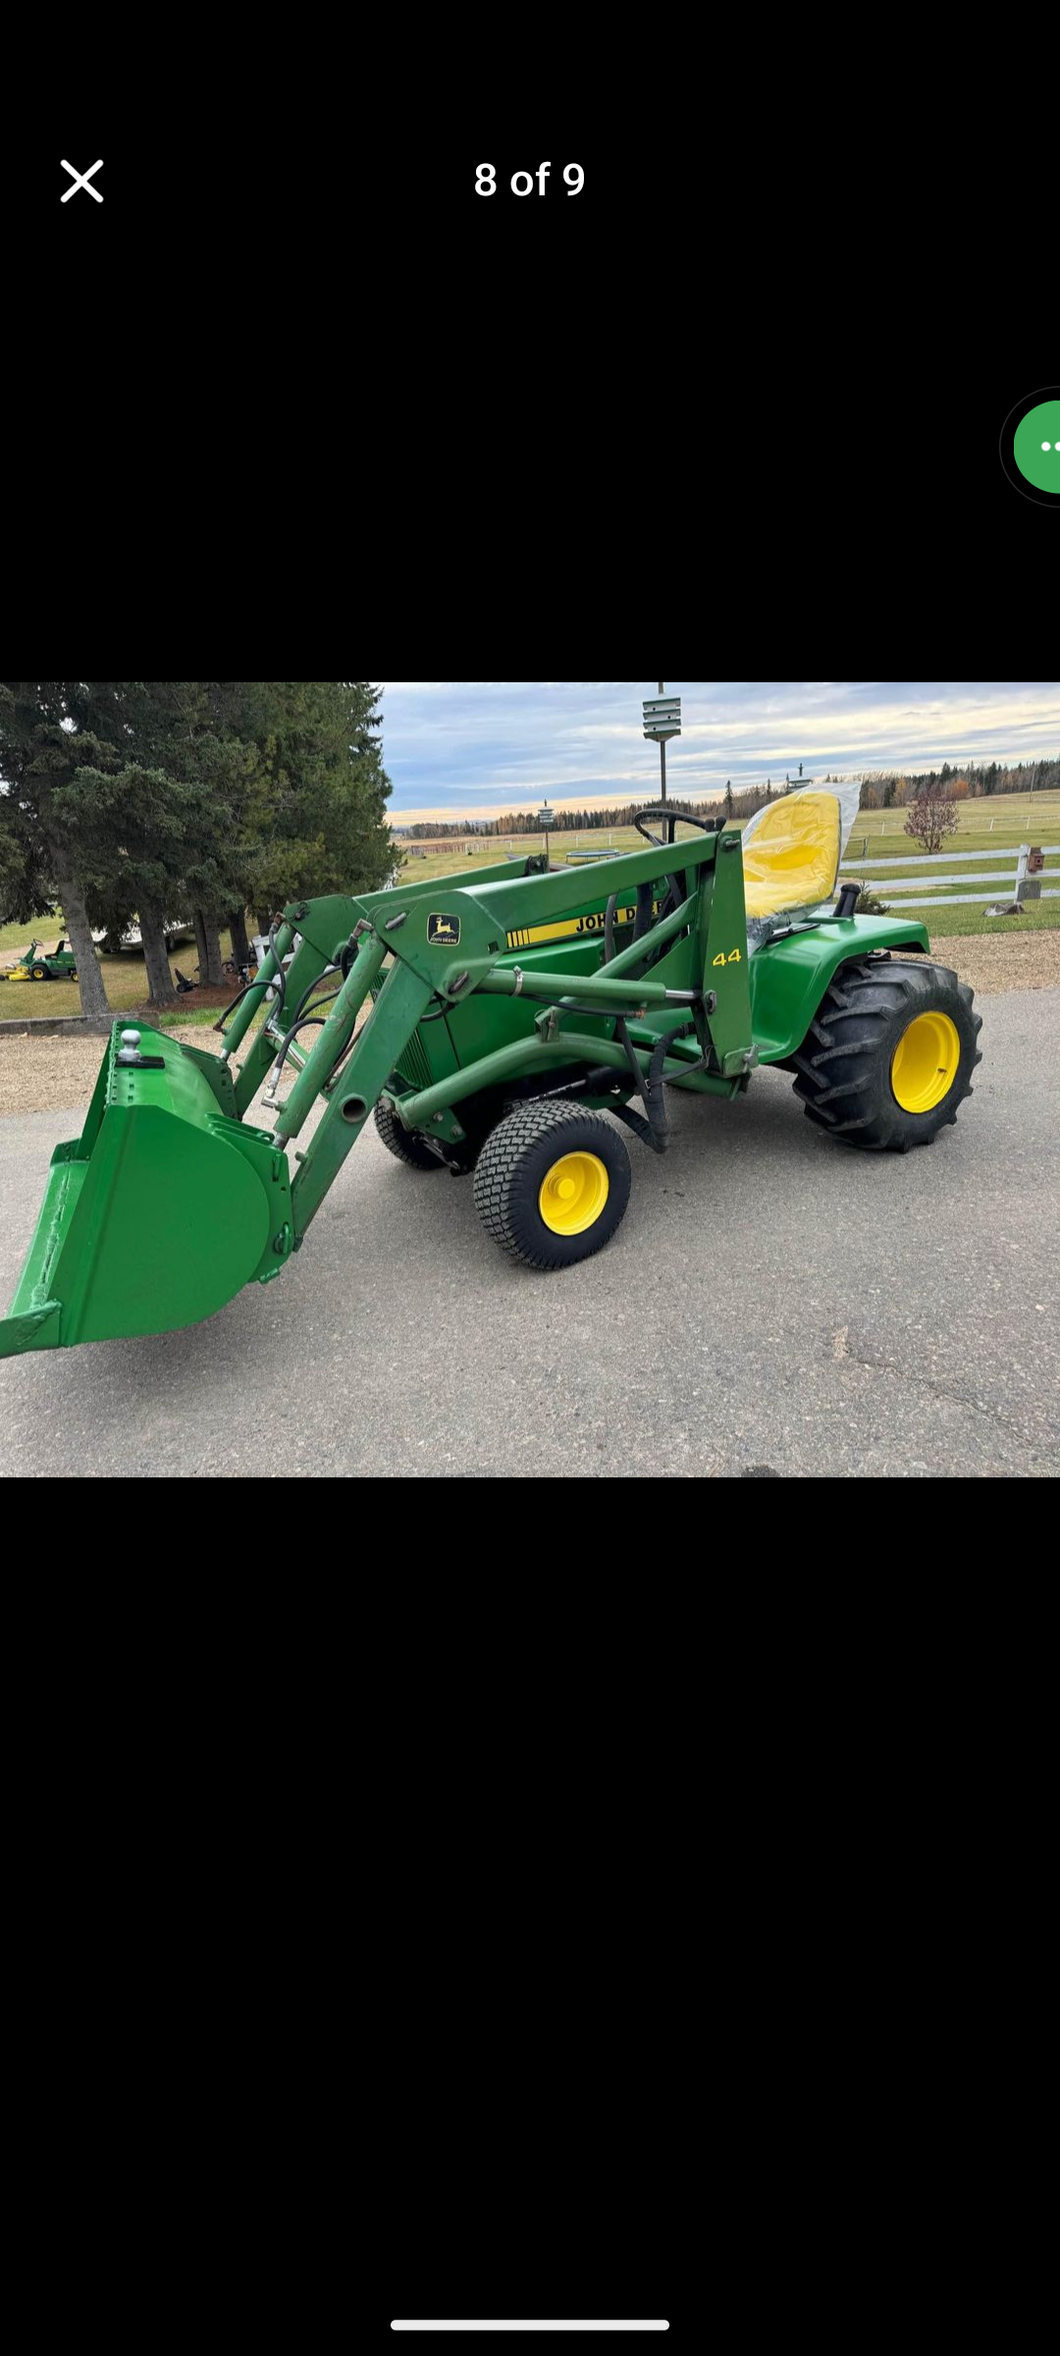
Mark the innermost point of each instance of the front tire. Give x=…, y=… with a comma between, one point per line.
x=406, y=1145
x=890, y=1054
x=552, y=1184
x=38, y=973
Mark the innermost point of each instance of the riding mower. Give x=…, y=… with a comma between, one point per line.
x=512, y=1028
x=38, y=965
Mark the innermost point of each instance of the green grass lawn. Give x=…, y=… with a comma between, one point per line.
x=199, y=1016
x=1042, y=916
x=14, y=937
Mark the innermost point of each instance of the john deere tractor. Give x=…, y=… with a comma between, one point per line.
x=41, y=965
x=520, y=1028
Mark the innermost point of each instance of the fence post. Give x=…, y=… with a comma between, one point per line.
x=1031, y=863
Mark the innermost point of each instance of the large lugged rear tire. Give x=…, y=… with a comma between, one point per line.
x=406, y=1145
x=890, y=1055
x=552, y=1184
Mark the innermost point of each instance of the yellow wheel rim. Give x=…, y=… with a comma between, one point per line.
x=574, y=1193
x=925, y=1063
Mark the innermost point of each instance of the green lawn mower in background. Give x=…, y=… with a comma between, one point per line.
x=520, y=1029
x=40, y=965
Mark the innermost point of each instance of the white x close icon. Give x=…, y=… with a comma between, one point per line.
x=80, y=180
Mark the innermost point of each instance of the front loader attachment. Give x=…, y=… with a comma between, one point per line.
x=159, y=1213
x=441, y=999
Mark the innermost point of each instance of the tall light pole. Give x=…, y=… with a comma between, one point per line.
x=662, y=719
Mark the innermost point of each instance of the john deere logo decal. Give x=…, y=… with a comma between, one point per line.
x=445, y=929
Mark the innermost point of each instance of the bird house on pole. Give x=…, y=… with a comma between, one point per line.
x=662, y=717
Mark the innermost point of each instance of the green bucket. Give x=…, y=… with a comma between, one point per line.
x=159, y=1213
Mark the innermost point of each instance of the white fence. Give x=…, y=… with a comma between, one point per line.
x=885, y=881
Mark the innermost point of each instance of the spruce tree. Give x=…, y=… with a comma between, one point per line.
x=52, y=732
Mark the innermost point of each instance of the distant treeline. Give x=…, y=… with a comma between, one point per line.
x=730, y=804
x=882, y=789
x=886, y=789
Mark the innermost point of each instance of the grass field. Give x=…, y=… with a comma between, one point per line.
x=999, y=824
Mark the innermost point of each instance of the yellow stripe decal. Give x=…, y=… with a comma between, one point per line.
x=574, y=929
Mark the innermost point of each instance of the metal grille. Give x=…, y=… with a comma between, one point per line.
x=413, y=1065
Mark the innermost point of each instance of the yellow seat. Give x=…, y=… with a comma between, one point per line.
x=791, y=858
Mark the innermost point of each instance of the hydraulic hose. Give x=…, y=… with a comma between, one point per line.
x=241, y=994
x=253, y=997
x=300, y=1023
x=237, y=1001
x=324, y=1054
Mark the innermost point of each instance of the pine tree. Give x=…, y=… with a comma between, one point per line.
x=185, y=798
x=315, y=807
x=51, y=731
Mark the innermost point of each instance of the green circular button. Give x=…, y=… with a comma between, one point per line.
x=1036, y=447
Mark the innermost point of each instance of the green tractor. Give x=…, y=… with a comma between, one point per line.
x=519, y=1028
x=42, y=965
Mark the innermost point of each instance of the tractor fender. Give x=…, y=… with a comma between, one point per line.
x=789, y=976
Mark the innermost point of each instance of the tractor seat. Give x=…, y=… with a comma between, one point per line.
x=791, y=854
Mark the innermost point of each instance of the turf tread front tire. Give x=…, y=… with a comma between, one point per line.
x=406, y=1145
x=512, y=1168
x=843, y=1068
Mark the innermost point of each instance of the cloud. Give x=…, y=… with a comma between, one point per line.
x=477, y=747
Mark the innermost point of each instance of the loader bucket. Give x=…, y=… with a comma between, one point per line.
x=162, y=1210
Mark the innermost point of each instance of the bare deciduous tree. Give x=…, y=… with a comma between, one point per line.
x=932, y=816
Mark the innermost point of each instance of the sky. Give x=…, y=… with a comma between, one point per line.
x=466, y=749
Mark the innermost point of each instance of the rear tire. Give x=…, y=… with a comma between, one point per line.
x=890, y=1054
x=552, y=1184
x=406, y=1145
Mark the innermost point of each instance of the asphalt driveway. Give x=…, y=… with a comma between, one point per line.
x=772, y=1304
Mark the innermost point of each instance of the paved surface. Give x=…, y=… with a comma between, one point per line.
x=771, y=1303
